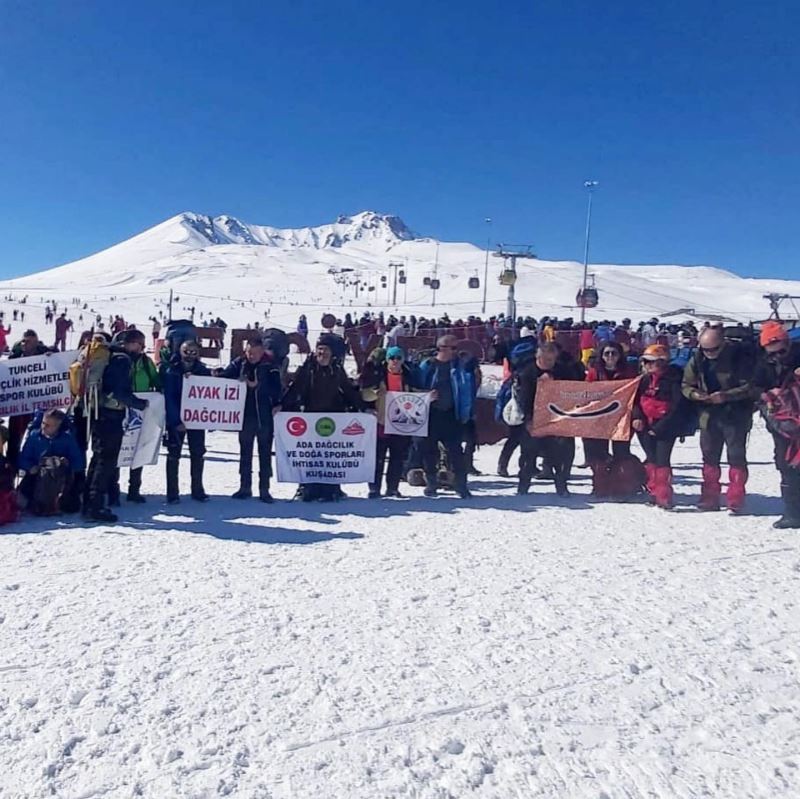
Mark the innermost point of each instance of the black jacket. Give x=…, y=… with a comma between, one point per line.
x=528, y=378
x=772, y=374
x=265, y=396
x=117, y=382
x=318, y=388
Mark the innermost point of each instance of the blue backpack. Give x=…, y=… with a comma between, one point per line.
x=503, y=396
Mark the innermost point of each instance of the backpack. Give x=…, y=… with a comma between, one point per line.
x=51, y=483
x=781, y=412
x=86, y=376
x=503, y=396
x=178, y=331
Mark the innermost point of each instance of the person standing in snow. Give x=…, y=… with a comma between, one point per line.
x=717, y=378
x=302, y=326
x=181, y=366
x=260, y=370
x=656, y=413
x=3, y=340
x=63, y=326
x=779, y=367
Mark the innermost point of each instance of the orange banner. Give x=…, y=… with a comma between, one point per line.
x=584, y=410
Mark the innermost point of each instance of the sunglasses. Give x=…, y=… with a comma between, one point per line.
x=395, y=357
x=778, y=353
x=710, y=349
x=609, y=353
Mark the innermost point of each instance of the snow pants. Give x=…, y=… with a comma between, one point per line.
x=106, y=442
x=396, y=447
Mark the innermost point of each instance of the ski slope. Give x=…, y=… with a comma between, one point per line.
x=247, y=273
x=501, y=647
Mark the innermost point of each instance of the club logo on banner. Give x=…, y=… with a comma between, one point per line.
x=584, y=410
x=407, y=413
x=212, y=403
x=141, y=433
x=331, y=448
x=37, y=383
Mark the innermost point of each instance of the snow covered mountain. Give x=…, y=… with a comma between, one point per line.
x=246, y=273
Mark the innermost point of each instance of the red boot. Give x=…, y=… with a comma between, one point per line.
x=737, y=480
x=650, y=484
x=711, y=490
x=663, y=492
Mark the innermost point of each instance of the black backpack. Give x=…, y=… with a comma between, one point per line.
x=277, y=341
x=51, y=483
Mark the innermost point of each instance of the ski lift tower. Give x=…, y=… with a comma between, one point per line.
x=775, y=301
x=508, y=277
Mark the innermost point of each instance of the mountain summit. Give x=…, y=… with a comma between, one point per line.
x=367, y=227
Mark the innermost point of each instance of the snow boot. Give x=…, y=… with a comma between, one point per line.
x=245, y=487
x=790, y=491
x=650, y=484
x=737, y=480
x=173, y=491
x=711, y=490
x=196, y=470
x=663, y=486
x=263, y=488
x=135, y=486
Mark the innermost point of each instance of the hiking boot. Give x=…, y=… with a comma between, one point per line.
x=503, y=472
x=242, y=493
x=464, y=493
x=173, y=500
x=265, y=496
x=474, y=472
x=200, y=496
x=430, y=492
x=374, y=494
x=103, y=515
x=135, y=496
x=393, y=492
x=787, y=523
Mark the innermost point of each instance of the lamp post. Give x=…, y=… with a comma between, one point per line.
x=590, y=186
x=486, y=265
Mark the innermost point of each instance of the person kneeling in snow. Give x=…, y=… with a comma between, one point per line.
x=49, y=459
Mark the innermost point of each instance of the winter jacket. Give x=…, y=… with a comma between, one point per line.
x=267, y=393
x=117, y=382
x=598, y=372
x=144, y=374
x=41, y=349
x=318, y=388
x=732, y=372
x=462, y=381
x=659, y=402
x=62, y=445
x=374, y=385
x=172, y=375
x=771, y=374
x=528, y=379
x=3, y=334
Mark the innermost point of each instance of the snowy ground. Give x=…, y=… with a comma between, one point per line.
x=501, y=647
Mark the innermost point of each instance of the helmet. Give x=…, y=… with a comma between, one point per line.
x=125, y=336
x=655, y=352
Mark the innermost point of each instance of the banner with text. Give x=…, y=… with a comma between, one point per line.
x=37, y=383
x=325, y=447
x=212, y=403
x=407, y=413
x=142, y=432
x=584, y=410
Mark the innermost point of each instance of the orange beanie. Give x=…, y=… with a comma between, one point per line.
x=772, y=332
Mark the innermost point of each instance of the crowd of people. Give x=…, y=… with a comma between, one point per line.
x=688, y=378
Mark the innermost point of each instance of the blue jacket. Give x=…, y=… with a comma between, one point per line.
x=62, y=445
x=463, y=383
x=172, y=381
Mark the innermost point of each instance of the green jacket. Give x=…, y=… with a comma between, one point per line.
x=144, y=375
x=734, y=371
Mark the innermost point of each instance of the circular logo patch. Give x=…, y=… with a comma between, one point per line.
x=325, y=426
x=407, y=413
x=296, y=426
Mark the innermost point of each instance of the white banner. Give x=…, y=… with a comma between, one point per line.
x=407, y=413
x=37, y=383
x=142, y=432
x=325, y=447
x=212, y=403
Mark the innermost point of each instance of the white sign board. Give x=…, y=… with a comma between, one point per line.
x=37, y=383
x=330, y=448
x=212, y=403
x=407, y=413
x=142, y=432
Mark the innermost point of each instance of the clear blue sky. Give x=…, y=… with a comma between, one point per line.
x=114, y=116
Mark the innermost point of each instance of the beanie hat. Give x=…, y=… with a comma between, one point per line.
x=772, y=332
x=395, y=352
